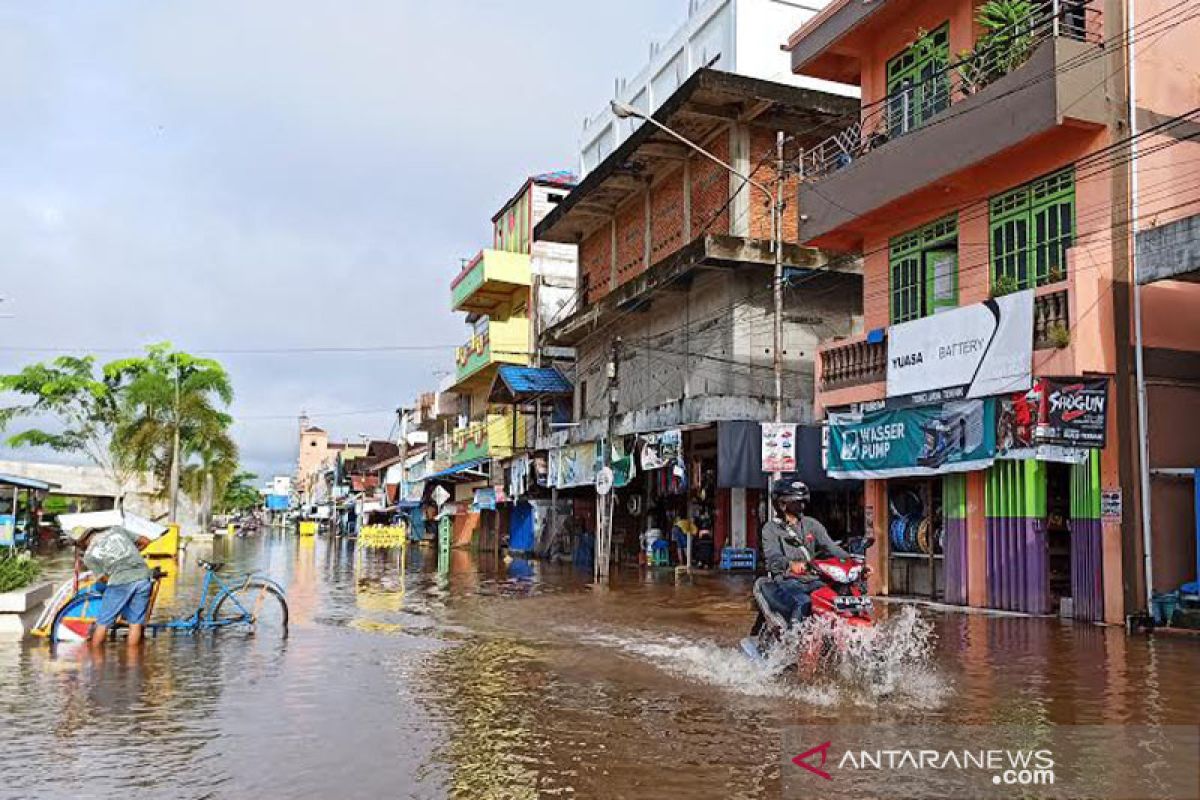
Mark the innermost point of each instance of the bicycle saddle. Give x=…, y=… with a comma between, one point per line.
x=214, y=566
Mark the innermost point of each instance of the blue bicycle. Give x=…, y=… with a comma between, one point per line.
x=253, y=603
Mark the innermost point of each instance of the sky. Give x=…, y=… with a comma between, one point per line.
x=279, y=174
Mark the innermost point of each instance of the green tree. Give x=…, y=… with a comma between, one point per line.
x=205, y=479
x=240, y=494
x=75, y=410
x=172, y=409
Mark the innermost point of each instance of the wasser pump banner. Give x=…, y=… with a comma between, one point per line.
x=928, y=440
x=974, y=351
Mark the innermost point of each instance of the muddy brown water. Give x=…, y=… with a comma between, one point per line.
x=479, y=680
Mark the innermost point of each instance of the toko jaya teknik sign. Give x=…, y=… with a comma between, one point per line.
x=975, y=351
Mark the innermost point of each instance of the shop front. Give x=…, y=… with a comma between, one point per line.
x=994, y=502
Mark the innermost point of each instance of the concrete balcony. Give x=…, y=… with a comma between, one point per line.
x=1051, y=317
x=494, y=284
x=493, y=436
x=855, y=370
x=498, y=343
x=853, y=363
x=896, y=153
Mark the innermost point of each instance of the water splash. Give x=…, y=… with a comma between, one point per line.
x=713, y=663
x=891, y=660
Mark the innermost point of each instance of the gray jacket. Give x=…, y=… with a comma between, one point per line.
x=814, y=543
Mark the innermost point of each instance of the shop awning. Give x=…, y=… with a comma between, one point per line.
x=516, y=384
x=26, y=483
x=467, y=472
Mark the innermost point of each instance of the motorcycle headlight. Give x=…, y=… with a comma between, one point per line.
x=854, y=573
x=834, y=572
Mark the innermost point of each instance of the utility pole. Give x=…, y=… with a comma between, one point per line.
x=775, y=198
x=1143, y=414
x=605, y=502
x=777, y=246
x=402, y=421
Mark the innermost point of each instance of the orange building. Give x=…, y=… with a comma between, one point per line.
x=996, y=157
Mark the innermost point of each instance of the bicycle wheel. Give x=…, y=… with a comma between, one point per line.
x=255, y=606
x=73, y=622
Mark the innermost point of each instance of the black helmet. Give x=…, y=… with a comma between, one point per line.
x=790, y=496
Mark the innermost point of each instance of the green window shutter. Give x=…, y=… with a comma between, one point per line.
x=906, y=288
x=1052, y=211
x=1031, y=229
x=941, y=280
x=918, y=85
x=924, y=270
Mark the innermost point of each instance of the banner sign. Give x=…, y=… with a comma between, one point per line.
x=660, y=449
x=485, y=500
x=574, y=465
x=970, y=352
x=1075, y=412
x=7, y=530
x=778, y=447
x=930, y=440
x=1017, y=425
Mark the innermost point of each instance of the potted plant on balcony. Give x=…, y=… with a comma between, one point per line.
x=1005, y=44
x=1004, y=284
x=1058, y=335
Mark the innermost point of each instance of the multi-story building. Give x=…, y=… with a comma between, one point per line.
x=990, y=187
x=738, y=36
x=509, y=292
x=676, y=298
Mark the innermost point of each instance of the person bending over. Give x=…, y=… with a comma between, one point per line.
x=114, y=556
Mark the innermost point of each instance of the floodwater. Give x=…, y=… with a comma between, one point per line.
x=401, y=679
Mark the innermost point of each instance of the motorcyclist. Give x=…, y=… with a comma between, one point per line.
x=790, y=541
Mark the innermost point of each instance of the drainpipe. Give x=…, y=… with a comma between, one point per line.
x=1139, y=360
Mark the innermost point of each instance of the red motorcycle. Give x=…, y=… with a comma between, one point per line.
x=841, y=594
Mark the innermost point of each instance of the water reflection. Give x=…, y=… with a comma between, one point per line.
x=452, y=675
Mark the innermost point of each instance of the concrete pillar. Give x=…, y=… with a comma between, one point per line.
x=976, y=540
x=876, y=514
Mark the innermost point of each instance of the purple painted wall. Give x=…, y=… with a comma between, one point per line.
x=1016, y=564
x=955, y=532
x=1087, y=585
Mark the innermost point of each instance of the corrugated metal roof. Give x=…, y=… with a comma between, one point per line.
x=458, y=470
x=533, y=382
x=26, y=483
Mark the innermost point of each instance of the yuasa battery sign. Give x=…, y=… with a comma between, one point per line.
x=975, y=351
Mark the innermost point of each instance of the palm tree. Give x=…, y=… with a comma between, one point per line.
x=206, y=478
x=174, y=405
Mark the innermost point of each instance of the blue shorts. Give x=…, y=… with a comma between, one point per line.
x=128, y=600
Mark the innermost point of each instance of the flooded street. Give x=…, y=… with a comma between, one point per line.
x=403, y=680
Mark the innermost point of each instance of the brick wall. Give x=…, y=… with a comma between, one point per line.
x=762, y=149
x=595, y=262
x=631, y=238
x=666, y=216
x=710, y=190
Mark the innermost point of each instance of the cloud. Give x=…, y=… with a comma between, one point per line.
x=284, y=174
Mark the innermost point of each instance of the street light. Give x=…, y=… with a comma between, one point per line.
x=625, y=111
